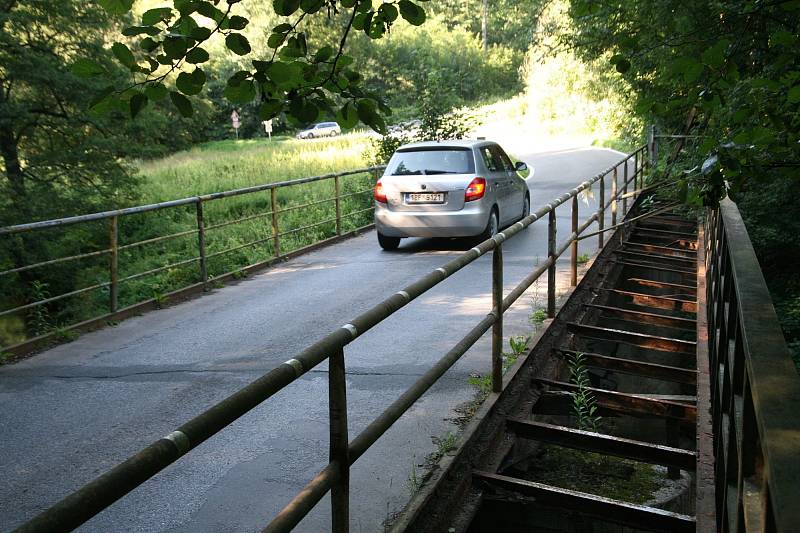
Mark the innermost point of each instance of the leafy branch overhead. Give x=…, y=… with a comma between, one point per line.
x=290, y=77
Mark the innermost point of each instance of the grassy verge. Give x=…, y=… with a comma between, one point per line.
x=207, y=168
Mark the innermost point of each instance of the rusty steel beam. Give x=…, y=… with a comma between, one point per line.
x=631, y=404
x=650, y=229
x=690, y=254
x=666, y=240
x=662, y=285
x=659, y=302
x=646, y=318
x=636, y=368
x=683, y=272
x=600, y=443
x=639, y=516
x=642, y=340
x=657, y=258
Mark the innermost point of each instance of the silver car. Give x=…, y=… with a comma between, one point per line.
x=323, y=129
x=448, y=189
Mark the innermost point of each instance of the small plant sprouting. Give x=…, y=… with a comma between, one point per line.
x=584, y=404
x=414, y=482
x=160, y=300
x=518, y=344
x=444, y=444
x=6, y=357
x=65, y=335
x=39, y=315
x=239, y=274
x=537, y=317
x=583, y=259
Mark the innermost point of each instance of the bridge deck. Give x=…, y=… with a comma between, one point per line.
x=630, y=330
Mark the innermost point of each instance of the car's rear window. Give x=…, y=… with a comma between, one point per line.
x=427, y=161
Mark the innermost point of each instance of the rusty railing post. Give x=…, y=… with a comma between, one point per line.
x=337, y=189
x=497, y=327
x=276, y=242
x=201, y=244
x=614, y=187
x=601, y=212
x=573, y=280
x=636, y=172
x=337, y=398
x=113, y=237
x=625, y=190
x=551, y=270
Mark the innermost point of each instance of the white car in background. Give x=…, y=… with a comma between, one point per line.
x=322, y=129
x=449, y=189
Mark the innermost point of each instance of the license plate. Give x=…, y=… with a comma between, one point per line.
x=425, y=198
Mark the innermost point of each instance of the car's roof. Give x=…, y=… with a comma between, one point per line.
x=456, y=143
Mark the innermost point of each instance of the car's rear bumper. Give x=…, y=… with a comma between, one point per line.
x=467, y=222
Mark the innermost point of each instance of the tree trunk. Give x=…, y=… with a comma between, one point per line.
x=485, y=25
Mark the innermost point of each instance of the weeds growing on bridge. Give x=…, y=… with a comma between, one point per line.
x=584, y=404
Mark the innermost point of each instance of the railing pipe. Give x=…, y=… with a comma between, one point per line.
x=113, y=238
x=201, y=244
x=601, y=212
x=175, y=203
x=573, y=281
x=625, y=190
x=551, y=270
x=276, y=237
x=338, y=192
x=339, y=456
x=497, y=327
x=614, y=186
x=100, y=493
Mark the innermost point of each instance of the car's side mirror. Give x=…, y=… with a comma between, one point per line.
x=520, y=166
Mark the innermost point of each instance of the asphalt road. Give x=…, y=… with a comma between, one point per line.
x=73, y=412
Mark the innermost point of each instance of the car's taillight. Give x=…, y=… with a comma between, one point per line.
x=380, y=196
x=475, y=190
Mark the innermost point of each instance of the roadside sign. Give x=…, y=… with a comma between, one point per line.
x=235, y=122
x=268, y=128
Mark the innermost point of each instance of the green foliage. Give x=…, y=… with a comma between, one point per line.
x=584, y=404
x=300, y=77
x=518, y=344
x=729, y=69
x=583, y=259
x=538, y=316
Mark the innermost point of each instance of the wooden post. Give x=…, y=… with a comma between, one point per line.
x=336, y=186
x=113, y=237
x=551, y=270
x=573, y=280
x=201, y=244
x=276, y=243
x=497, y=327
x=337, y=403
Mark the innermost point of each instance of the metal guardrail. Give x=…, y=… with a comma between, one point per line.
x=99, y=494
x=755, y=388
x=115, y=247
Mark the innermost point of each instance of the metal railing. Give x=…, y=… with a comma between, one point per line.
x=200, y=229
x=86, y=502
x=755, y=389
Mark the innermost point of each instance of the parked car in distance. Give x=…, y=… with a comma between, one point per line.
x=459, y=188
x=321, y=129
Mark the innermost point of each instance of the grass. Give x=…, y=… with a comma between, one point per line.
x=207, y=168
x=612, y=477
x=225, y=165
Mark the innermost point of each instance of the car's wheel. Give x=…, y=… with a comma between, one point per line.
x=310, y=136
x=388, y=243
x=526, y=207
x=491, y=226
